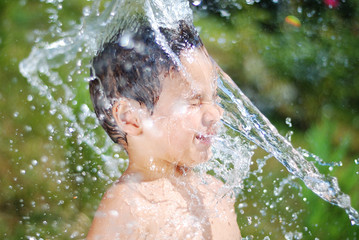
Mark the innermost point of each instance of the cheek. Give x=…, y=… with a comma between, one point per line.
x=178, y=127
x=153, y=127
x=192, y=120
x=178, y=109
x=187, y=121
x=182, y=130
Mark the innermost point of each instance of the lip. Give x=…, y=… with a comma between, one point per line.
x=204, y=139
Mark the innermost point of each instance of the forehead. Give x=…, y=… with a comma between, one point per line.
x=195, y=78
x=197, y=73
x=198, y=64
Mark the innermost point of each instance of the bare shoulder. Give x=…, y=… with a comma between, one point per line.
x=114, y=218
x=117, y=194
x=214, y=184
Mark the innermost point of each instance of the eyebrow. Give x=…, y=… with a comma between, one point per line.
x=199, y=95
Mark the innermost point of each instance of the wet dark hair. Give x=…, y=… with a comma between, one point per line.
x=130, y=65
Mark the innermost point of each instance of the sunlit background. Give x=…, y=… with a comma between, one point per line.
x=298, y=61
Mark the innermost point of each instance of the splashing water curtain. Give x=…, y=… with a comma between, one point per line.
x=240, y=116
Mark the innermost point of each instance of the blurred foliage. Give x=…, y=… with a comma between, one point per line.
x=51, y=184
x=308, y=62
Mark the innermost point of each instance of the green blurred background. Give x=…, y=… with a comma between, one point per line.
x=50, y=184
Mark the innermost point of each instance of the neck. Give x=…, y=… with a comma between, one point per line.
x=150, y=168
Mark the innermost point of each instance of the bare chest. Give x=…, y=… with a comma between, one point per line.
x=185, y=212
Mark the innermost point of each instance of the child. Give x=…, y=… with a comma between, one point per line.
x=164, y=114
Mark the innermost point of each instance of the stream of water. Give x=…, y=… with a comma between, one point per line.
x=81, y=43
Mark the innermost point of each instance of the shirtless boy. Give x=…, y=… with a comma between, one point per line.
x=164, y=114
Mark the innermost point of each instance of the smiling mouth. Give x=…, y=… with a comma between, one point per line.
x=204, y=139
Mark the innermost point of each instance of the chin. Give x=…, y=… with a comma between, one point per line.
x=195, y=158
x=206, y=155
x=202, y=157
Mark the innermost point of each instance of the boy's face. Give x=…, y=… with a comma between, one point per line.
x=185, y=116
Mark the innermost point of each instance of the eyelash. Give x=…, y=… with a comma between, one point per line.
x=198, y=102
x=195, y=102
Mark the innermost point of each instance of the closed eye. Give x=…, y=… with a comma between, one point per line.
x=196, y=100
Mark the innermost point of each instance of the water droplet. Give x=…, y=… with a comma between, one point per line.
x=250, y=2
x=79, y=168
x=126, y=40
x=74, y=234
x=50, y=128
x=289, y=135
x=34, y=162
x=79, y=179
x=288, y=121
x=249, y=219
x=16, y=114
x=28, y=128
x=356, y=161
x=69, y=131
x=242, y=205
x=30, y=98
x=221, y=40
x=52, y=111
x=224, y=13
x=44, y=159
x=22, y=172
x=196, y=2
x=114, y=213
x=86, y=11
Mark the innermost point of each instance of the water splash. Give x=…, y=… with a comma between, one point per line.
x=81, y=43
x=242, y=116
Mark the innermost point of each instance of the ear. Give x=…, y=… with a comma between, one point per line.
x=127, y=116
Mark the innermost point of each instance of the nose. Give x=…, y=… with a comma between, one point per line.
x=212, y=114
